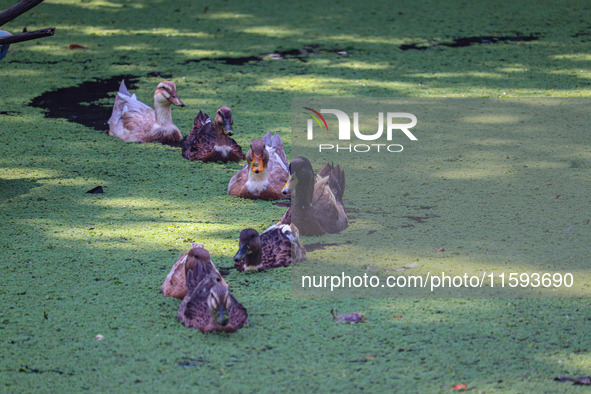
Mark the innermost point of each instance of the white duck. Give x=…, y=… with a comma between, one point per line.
x=133, y=120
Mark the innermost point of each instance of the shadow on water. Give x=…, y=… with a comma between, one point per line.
x=78, y=103
x=467, y=41
x=11, y=188
x=298, y=54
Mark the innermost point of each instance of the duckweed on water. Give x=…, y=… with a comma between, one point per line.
x=80, y=301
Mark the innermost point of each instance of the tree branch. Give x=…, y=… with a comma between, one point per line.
x=16, y=10
x=30, y=35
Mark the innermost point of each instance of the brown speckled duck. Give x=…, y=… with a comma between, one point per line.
x=272, y=249
x=209, y=306
x=134, y=121
x=265, y=173
x=197, y=260
x=211, y=141
x=316, y=208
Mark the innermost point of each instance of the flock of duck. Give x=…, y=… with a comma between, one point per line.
x=316, y=202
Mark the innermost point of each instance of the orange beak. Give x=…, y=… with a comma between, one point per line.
x=257, y=163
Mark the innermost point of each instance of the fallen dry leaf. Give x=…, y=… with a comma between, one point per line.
x=77, y=46
x=355, y=317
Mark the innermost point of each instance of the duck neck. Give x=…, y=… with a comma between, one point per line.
x=255, y=257
x=303, y=193
x=257, y=183
x=222, y=138
x=162, y=112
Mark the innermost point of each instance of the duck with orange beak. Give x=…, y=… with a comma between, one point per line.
x=265, y=173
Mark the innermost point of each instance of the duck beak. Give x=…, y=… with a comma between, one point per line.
x=292, y=181
x=257, y=164
x=242, y=252
x=175, y=100
x=228, y=127
x=222, y=316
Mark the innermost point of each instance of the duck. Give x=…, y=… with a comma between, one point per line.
x=276, y=247
x=317, y=202
x=4, y=47
x=210, y=306
x=134, y=121
x=211, y=141
x=198, y=260
x=265, y=173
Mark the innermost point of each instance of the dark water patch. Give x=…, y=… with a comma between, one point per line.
x=175, y=144
x=320, y=246
x=583, y=33
x=190, y=362
x=26, y=369
x=78, y=103
x=467, y=41
x=34, y=62
x=298, y=54
x=420, y=219
x=160, y=74
x=284, y=202
x=232, y=61
x=225, y=271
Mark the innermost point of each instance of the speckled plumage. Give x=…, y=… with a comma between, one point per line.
x=209, y=306
x=209, y=140
x=197, y=259
x=271, y=249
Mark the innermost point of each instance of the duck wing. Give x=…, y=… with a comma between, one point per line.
x=235, y=153
x=119, y=104
x=201, y=141
x=277, y=158
x=138, y=121
x=237, y=185
x=237, y=315
x=328, y=208
x=175, y=284
x=336, y=179
x=194, y=311
x=276, y=244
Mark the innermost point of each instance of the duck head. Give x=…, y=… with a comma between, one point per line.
x=301, y=178
x=257, y=156
x=223, y=120
x=198, y=260
x=249, y=248
x=165, y=94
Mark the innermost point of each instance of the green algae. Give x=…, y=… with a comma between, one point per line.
x=77, y=265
